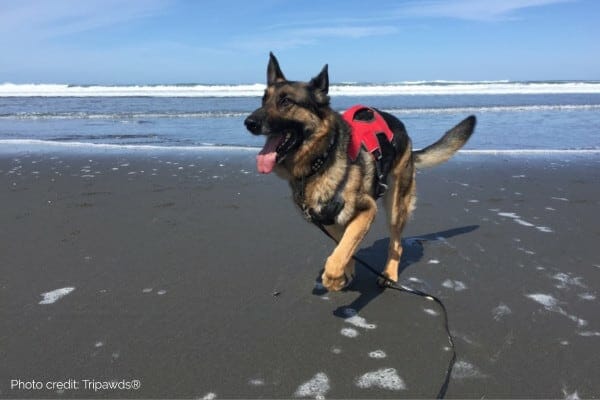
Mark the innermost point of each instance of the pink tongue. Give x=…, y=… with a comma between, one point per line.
x=267, y=158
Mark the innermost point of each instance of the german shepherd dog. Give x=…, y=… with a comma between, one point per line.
x=306, y=144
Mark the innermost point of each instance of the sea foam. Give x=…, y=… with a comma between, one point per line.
x=257, y=89
x=316, y=387
x=55, y=295
x=385, y=378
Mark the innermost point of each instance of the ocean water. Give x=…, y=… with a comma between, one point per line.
x=512, y=116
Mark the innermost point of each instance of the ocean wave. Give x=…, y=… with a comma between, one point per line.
x=37, y=144
x=495, y=109
x=63, y=90
x=33, y=144
x=122, y=116
x=240, y=114
x=347, y=89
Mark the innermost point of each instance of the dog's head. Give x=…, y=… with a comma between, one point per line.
x=290, y=113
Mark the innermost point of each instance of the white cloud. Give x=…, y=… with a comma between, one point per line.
x=291, y=38
x=472, y=9
x=353, y=32
x=42, y=19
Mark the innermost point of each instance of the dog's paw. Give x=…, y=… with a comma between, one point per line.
x=334, y=283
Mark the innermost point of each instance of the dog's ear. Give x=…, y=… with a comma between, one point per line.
x=321, y=81
x=274, y=73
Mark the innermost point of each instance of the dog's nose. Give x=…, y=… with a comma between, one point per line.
x=252, y=124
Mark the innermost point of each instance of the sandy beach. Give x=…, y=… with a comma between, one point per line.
x=192, y=275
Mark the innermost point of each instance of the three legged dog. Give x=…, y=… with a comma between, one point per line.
x=308, y=144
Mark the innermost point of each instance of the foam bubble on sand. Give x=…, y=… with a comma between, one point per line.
x=587, y=296
x=431, y=311
x=524, y=250
x=161, y=292
x=456, y=285
x=55, y=295
x=546, y=300
x=570, y=396
x=580, y=321
x=544, y=229
x=565, y=280
x=516, y=218
x=521, y=221
x=385, y=378
x=349, y=332
x=209, y=396
x=551, y=304
x=98, y=344
x=589, y=333
x=351, y=316
x=377, y=354
x=466, y=370
x=256, y=382
x=316, y=387
x=500, y=311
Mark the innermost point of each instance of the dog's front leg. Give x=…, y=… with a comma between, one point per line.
x=337, y=231
x=333, y=277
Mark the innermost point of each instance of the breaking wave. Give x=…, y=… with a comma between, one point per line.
x=343, y=89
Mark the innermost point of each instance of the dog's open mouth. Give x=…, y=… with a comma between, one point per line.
x=274, y=151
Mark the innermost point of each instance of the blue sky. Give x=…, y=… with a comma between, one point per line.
x=222, y=41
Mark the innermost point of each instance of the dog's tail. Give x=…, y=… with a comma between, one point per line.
x=446, y=146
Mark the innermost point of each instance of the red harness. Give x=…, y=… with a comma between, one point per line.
x=364, y=133
x=372, y=133
x=369, y=131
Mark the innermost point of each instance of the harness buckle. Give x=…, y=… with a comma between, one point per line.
x=376, y=154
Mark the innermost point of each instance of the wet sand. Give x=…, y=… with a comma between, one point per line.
x=196, y=276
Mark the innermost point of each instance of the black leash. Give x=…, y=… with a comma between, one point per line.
x=386, y=282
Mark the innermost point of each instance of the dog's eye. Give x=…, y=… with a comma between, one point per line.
x=285, y=102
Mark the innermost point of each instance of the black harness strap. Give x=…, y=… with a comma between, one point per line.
x=384, y=160
x=321, y=160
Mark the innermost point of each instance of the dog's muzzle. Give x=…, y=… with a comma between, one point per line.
x=253, y=124
x=256, y=122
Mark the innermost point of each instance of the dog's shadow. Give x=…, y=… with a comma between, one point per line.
x=376, y=255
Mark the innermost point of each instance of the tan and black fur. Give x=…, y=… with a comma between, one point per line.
x=298, y=118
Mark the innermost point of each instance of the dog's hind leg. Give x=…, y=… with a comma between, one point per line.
x=334, y=277
x=399, y=202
